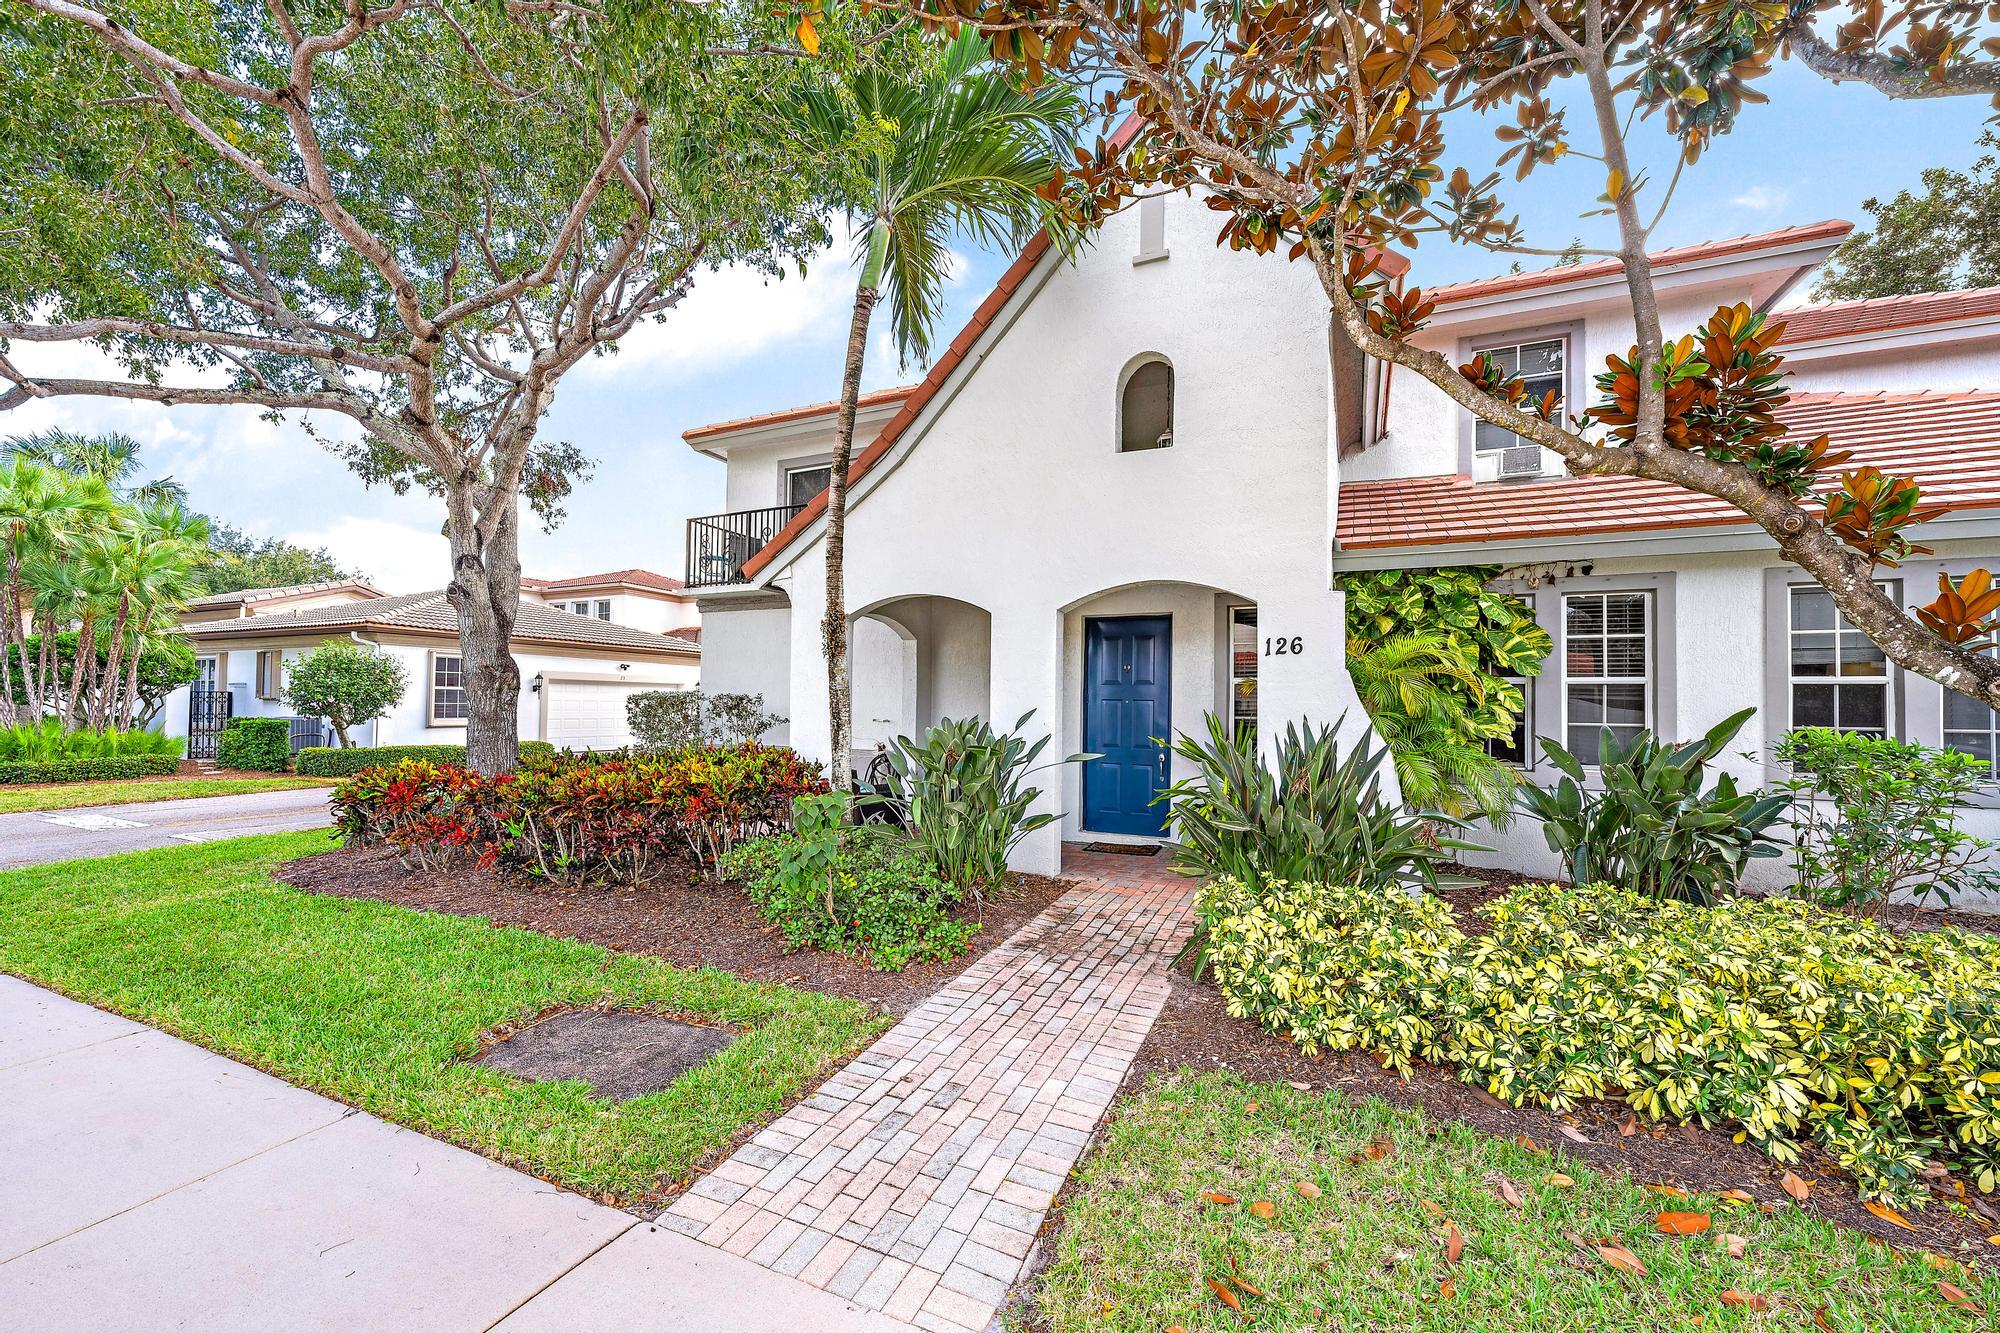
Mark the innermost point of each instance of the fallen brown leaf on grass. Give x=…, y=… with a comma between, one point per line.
x=1446, y=1290
x=1572, y=1133
x=1746, y=1299
x=1559, y=1180
x=1525, y=1142
x=1431, y=1208
x=1887, y=1214
x=1374, y=1150
x=1250, y=1108
x=1302, y=1087
x=1508, y=1194
x=1307, y=1189
x=1224, y=1294
x=1795, y=1187
x=1264, y=1209
x=1671, y=1191
x=1628, y=1127
x=1620, y=1258
x=1734, y=1244
x=1959, y=1299
x=1214, y=1197
x=1822, y=1323
x=1454, y=1242
x=1737, y=1196
x=1681, y=1224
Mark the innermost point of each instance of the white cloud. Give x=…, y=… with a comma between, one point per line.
x=395, y=557
x=1763, y=198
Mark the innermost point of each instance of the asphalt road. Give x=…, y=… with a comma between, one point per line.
x=36, y=837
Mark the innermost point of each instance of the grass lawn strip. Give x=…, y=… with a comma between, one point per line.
x=1139, y=1241
x=377, y=1005
x=69, y=795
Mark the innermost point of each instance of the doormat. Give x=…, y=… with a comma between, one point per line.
x=619, y=1053
x=1123, y=848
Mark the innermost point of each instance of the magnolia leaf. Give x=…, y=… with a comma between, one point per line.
x=1671, y=1191
x=1737, y=1246
x=1559, y=1180
x=1224, y=1294
x=1308, y=1189
x=1681, y=1224
x=1796, y=1187
x=1264, y=1208
x=1508, y=1194
x=1214, y=1197
x=1746, y=1300
x=1887, y=1214
x=1957, y=1297
x=1621, y=1258
x=1454, y=1242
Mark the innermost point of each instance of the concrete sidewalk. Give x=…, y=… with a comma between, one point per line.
x=36, y=837
x=148, y=1183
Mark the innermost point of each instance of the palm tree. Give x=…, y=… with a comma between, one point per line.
x=956, y=150
x=43, y=512
x=1414, y=688
x=110, y=458
x=155, y=569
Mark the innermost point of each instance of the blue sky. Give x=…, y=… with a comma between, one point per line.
x=741, y=345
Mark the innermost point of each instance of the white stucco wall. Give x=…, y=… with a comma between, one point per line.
x=747, y=649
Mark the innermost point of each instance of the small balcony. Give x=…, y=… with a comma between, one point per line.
x=719, y=545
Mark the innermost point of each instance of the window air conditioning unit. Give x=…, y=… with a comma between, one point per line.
x=1521, y=462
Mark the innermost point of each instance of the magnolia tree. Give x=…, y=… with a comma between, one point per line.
x=345, y=683
x=1326, y=130
x=416, y=216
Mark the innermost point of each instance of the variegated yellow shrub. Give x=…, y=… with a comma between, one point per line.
x=1770, y=1016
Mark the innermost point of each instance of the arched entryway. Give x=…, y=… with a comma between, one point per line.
x=914, y=661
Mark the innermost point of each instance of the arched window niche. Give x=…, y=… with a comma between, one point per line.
x=1146, y=404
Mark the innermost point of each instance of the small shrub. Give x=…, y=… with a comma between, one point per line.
x=964, y=794
x=846, y=889
x=48, y=742
x=667, y=720
x=255, y=744
x=575, y=820
x=326, y=761
x=90, y=770
x=1873, y=817
x=345, y=683
x=1653, y=827
x=1769, y=1015
x=1318, y=817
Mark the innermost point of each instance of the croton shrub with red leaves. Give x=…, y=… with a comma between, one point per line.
x=576, y=820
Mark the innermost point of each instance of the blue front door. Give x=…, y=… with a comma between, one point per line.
x=1128, y=668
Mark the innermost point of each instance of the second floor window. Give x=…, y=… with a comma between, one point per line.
x=1540, y=365
x=803, y=483
x=1839, y=678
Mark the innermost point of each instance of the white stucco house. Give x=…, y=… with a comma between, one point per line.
x=583, y=646
x=1123, y=493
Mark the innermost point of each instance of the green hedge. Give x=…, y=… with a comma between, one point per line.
x=91, y=770
x=325, y=761
x=258, y=744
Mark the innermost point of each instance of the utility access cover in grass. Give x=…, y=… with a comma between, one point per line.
x=621, y=1054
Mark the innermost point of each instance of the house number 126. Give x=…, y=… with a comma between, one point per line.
x=1284, y=647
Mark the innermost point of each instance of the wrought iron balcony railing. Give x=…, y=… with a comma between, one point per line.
x=718, y=545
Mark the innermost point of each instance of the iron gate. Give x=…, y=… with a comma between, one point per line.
x=208, y=714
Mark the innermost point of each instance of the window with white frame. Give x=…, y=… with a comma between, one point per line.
x=1540, y=364
x=803, y=483
x=448, y=701
x=604, y=609
x=1839, y=678
x=1243, y=671
x=1607, y=676
x=1970, y=727
x=270, y=673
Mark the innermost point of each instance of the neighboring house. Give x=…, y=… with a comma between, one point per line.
x=577, y=669
x=1122, y=495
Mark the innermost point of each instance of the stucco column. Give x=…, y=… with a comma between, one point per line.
x=1302, y=671
x=1026, y=668
x=810, y=730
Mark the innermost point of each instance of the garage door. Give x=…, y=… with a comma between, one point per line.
x=589, y=714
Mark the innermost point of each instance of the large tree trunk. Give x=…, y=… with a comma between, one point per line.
x=107, y=680
x=86, y=649
x=833, y=627
x=129, y=705
x=32, y=712
x=485, y=591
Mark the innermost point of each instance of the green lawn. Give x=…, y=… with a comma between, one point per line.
x=1140, y=1241
x=375, y=1005
x=67, y=795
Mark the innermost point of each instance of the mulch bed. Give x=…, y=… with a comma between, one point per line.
x=689, y=921
x=1196, y=1031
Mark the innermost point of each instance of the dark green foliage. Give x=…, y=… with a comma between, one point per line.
x=255, y=744
x=48, y=741
x=1318, y=818
x=241, y=561
x=1874, y=817
x=165, y=664
x=325, y=761
x=1652, y=827
x=1944, y=239
x=858, y=890
x=684, y=719
x=963, y=791
x=90, y=770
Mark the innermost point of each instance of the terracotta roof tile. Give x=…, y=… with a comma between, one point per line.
x=876, y=399
x=429, y=612
x=638, y=578
x=251, y=596
x=1949, y=441
x=1840, y=319
x=1561, y=275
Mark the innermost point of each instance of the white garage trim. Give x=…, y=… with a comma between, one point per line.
x=615, y=686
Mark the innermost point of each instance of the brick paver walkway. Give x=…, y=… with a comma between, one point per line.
x=914, y=1181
